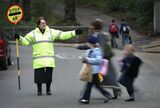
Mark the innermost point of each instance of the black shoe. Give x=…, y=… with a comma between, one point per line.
x=131, y=99
x=39, y=93
x=84, y=101
x=108, y=96
x=49, y=93
x=117, y=93
x=106, y=100
x=115, y=97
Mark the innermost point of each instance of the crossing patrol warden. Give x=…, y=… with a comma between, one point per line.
x=41, y=39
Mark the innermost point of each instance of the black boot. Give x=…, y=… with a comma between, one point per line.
x=116, y=93
x=39, y=91
x=48, y=91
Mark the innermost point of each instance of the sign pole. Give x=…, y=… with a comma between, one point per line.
x=14, y=15
x=18, y=66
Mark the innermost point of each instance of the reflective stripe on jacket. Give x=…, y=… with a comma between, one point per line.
x=42, y=45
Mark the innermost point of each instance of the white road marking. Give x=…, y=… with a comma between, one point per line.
x=69, y=55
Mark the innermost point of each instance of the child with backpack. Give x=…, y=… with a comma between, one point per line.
x=113, y=30
x=125, y=32
x=95, y=59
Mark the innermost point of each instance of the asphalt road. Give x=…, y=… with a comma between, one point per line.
x=66, y=87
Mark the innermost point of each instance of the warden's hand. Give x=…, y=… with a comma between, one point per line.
x=78, y=31
x=16, y=36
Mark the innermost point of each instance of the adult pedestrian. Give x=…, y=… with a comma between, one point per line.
x=41, y=39
x=110, y=80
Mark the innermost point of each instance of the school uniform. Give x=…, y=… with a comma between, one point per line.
x=94, y=58
x=130, y=70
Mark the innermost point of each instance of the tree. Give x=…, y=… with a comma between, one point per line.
x=70, y=9
x=14, y=1
x=26, y=6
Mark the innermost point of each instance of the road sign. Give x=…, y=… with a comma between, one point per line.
x=15, y=14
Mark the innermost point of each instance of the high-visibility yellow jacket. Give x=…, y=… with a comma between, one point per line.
x=43, y=46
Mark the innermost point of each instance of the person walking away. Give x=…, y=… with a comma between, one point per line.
x=113, y=30
x=129, y=70
x=94, y=58
x=125, y=32
x=41, y=39
x=110, y=80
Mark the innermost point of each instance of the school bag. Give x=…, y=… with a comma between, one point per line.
x=113, y=28
x=104, y=67
x=125, y=28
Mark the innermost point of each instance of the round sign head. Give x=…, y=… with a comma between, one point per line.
x=15, y=14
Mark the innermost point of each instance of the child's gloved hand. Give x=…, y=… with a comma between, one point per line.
x=100, y=77
x=84, y=60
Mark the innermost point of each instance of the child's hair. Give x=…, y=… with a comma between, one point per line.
x=129, y=48
x=98, y=25
x=113, y=21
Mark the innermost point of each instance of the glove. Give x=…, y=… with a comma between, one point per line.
x=84, y=60
x=16, y=36
x=100, y=77
x=79, y=31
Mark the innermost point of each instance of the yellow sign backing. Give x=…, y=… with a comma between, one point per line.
x=15, y=14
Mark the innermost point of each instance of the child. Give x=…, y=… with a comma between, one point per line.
x=130, y=68
x=113, y=30
x=94, y=58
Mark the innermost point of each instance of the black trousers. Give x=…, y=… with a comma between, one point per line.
x=89, y=86
x=130, y=88
x=128, y=83
x=113, y=40
x=43, y=75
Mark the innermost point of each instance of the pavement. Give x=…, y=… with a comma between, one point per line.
x=152, y=46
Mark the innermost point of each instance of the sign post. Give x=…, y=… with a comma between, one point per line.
x=14, y=15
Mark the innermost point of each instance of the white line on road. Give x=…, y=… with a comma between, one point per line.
x=69, y=55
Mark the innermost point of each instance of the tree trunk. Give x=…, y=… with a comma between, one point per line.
x=14, y=1
x=70, y=9
x=26, y=6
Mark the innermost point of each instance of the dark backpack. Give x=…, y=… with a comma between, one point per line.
x=125, y=28
x=113, y=28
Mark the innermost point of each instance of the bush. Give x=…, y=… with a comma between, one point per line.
x=143, y=11
x=115, y=5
